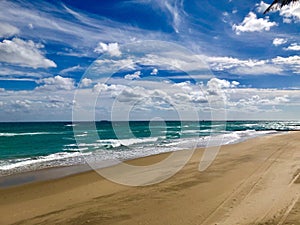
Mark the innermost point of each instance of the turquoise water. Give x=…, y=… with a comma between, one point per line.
x=33, y=146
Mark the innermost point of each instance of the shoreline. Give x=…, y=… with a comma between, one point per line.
x=46, y=174
x=252, y=182
x=52, y=173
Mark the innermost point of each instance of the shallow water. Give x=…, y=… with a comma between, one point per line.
x=34, y=146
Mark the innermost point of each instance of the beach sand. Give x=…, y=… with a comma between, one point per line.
x=254, y=182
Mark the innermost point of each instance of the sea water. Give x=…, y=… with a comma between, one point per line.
x=33, y=146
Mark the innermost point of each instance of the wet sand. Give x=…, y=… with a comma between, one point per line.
x=254, y=182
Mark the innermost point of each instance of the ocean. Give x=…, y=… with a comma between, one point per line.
x=33, y=146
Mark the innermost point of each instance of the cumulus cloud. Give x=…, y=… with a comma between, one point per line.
x=261, y=7
x=7, y=30
x=154, y=71
x=290, y=13
x=111, y=48
x=253, y=24
x=85, y=82
x=291, y=60
x=160, y=96
x=20, y=105
x=184, y=86
x=56, y=83
x=131, y=94
x=291, y=63
x=193, y=97
x=262, y=103
x=279, y=41
x=135, y=75
x=235, y=83
x=216, y=85
x=258, y=102
x=100, y=87
x=293, y=47
x=147, y=96
x=24, y=53
x=36, y=105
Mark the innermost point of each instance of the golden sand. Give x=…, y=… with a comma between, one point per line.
x=254, y=182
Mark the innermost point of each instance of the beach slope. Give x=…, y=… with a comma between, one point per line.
x=254, y=182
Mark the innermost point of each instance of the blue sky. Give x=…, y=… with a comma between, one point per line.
x=49, y=48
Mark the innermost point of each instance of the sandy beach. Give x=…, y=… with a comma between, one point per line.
x=253, y=182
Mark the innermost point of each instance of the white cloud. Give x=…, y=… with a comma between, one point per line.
x=291, y=60
x=7, y=30
x=176, y=60
x=146, y=96
x=279, y=41
x=291, y=63
x=184, y=86
x=218, y=89
x=56, y=83
x=82, y=30
x=293, y=47
x=22, y=104
x=290, y=13
x=278, y=65
x=216, y=85
x=110, y=66
x=154, y=71
x=111, y=48
x=24, y=53
x=253, y=24
x=131, y=94
x=85, y=82
x=175, y=13
x=149, y=95
x=235, y=83
x=15, y=73
x=135, y=75
x=241, y=67
x=222, y=63
x=100, y=87
x=36, y=105
x=287, y=20
x=261, y=7
x=225, y=14
x=254, y=100
x=173, y=9
x=17, y=79
x=258, y=70
x=71, y=69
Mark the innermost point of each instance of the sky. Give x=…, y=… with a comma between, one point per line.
x=148, y=59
